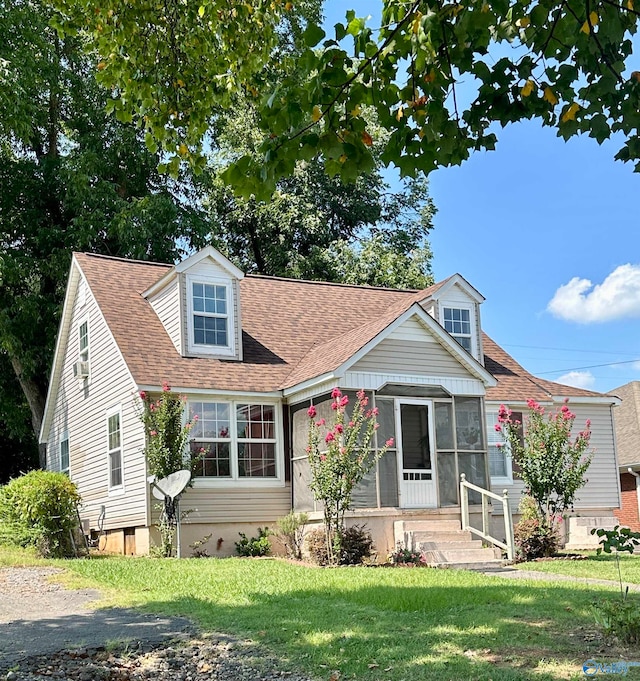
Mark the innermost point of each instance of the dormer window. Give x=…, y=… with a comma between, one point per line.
x=211, y=308
x=210, y=319
x=457, y=321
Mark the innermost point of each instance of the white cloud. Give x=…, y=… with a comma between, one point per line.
x=617, y=297
x=577, y=379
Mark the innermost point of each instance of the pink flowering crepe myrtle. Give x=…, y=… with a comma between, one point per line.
x=553, y=460
x=340, y=454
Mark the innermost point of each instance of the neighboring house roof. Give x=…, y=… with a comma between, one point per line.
x=292, y=331
x=516, y=384
x=626, y=418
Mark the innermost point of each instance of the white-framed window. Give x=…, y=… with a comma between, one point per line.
x=458, y=321
x=236, y=441
x=114, y=448
x=83, y=341
x=64, y=453
x=500, y=461
x=210, y=316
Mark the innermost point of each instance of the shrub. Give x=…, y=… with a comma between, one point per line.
x=405, y=556
x=316, y=542
x=620, y=619
x=291, y=532
x=534, y=539
x=357, y=545
x=40, y=509
x=254, y=546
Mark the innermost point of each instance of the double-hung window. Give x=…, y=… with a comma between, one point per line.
x=210, y=319
x=64, y=453
x=114, y=448
x=83, y=341
x=457, y=321
x=501, y=465
x=234, y=440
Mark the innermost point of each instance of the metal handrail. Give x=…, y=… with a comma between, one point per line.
x=485, y=534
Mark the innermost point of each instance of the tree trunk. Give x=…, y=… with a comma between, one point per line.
x=35, y=400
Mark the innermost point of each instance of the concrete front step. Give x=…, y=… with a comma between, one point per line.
x=435, y=525
x=459, y=555
x=459, y=535
x=479, y=566
x=448, y=545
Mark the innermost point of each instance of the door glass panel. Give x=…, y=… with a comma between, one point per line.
x=416, y=448
x=444, y=425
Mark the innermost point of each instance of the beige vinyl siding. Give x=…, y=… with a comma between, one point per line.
x=422, y=358
x=81, y=408
x=238, y=504
x=166, y=304
x=601, y=490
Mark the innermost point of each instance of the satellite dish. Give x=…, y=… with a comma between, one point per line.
x=172, y=486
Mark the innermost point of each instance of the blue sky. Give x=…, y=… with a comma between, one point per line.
x=549, y=232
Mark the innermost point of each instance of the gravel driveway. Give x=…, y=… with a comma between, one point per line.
x=49, y=632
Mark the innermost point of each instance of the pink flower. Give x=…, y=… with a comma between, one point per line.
x=320, y=422
x=564, y=409
x=334, y=405
x=307, y=450
x=364, y=401
x=196, y=417
x=389, y=442
x=152, y=407
x=166, y=387
x=375, y=411
x=497, y=428
x=336, y=392
x=311, y=412
x=361, y=394
x=343, y=450
x=499, y=444
x=323, y=457
x=344, y=401
x=351, y=424
x=376, y=425
x=330, y=437
x=153, y=433
x=143, y=395
x=588, y=423
x=339, y=428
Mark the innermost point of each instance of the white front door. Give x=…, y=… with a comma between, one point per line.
x=416, y=454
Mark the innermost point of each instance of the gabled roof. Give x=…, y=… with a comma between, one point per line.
x=338, y=353
x=627, y=424
x=442, y=288
x=293, y=331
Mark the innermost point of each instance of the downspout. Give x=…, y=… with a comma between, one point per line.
x=637, y=477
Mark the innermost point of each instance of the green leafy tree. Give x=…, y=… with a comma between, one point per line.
x=315, y=226
x=72, y=178
x=552, y=462
x=568, y=63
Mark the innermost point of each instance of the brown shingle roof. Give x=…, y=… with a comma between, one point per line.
x=627, y=423
x=516, y=384
x=292, y=331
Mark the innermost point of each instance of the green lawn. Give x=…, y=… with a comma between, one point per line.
x=372, y=623
x=596, y=567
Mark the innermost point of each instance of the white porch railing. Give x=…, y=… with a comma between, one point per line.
x=485, y=533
